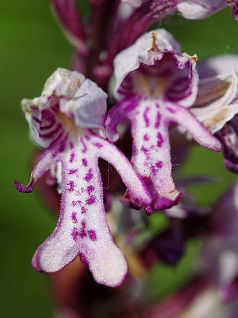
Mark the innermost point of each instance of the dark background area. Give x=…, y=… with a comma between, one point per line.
x=31, y=48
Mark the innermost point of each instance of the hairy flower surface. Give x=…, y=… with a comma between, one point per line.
x=155, y=84
x=66, y=120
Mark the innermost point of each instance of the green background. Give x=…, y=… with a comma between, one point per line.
x=31, y=48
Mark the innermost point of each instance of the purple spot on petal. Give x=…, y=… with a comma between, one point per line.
x=84, y=150
x=159, y=164
x=160, y=139
x=158, y=119
x=89, y=175
x=82, y=229
x=71, y=186
x=84, y=162
x=91, y=200
x=156, y=168
x=87, y=137
x=74, y=217
x=92, y=235
x=83, y=210
x=72, y=156
x=146, y=151
x=71, y=145
x=74, y=203
x=146, y=118
x=73, y=171
x=75, y=234
x=146, y=137
x=90, y=189
x=97, y=145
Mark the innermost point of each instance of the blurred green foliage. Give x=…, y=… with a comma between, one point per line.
x=31, y=48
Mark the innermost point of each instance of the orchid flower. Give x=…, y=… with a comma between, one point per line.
x=216, y=105
x=66, y=120
x=156, y=84
x=217, y=98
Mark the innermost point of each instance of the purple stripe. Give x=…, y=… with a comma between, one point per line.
x=145, y=116
x=84, y=150
x=158, y=119
x=52, y=133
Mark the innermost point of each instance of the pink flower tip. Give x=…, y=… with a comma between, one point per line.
x=21, y=188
